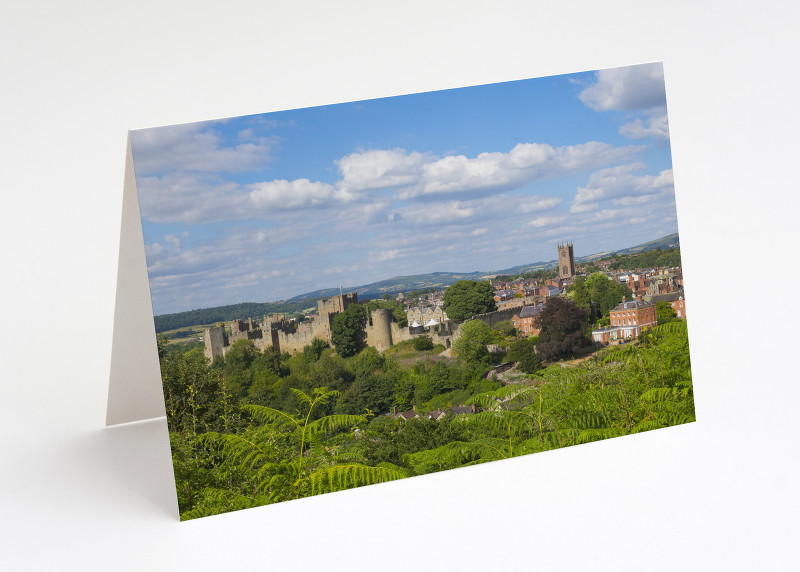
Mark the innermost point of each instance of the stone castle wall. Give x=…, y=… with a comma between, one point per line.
x=381, y=331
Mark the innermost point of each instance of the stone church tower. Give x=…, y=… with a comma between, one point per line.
x=566, y=261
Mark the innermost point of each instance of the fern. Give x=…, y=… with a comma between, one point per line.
x=340, y=477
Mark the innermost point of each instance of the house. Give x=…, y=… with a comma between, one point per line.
x=523, y=321
x=503, y=295
x=628, y=320
x=675, y=299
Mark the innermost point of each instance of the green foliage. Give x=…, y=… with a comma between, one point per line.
x=313, y=351
x=523, y=352
x=473, y=337
x=606, y=293
x=284, y=456
x=304, y=427
x=423, y=343
x=347, y=330
x=648, y=259
x=467, y=298
x=505, y=328
x=664, y=311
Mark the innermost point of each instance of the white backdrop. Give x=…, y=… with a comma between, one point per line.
x=717, y=494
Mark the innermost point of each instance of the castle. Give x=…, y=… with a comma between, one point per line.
x=286, y=336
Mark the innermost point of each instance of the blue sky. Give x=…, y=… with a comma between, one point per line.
x=265, y=207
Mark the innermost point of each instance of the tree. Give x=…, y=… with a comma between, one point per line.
x=563, y=329
x=347, y=330
x=313, y=351
x=606, y=293
x=665, y=312
x=578, y=292
x=523, y=352
x=467, y=298
x=423, y=343
x=472, y=339
x=505, y=328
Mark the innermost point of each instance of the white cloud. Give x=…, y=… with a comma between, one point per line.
x=380, y=168
x=197, y=147
x=547, y=221
x=283, y=194
x=190, y=198
x=657, y=126
x=414, y=174
x=621, y=184
x=626, y=88
x=479, y=231
x=385, y=255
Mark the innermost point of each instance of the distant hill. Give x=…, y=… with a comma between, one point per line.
x=393, y=285
x=241, y=311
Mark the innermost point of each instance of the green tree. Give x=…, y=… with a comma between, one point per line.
x=473, y=336
x=665, y=312
x=313, y=351
x=605, y=293
x=563, y=328
x=423, y=343
x=523, y=352
x=467, y=298
x=578, y=292
x=505, y=328
x=347, y=330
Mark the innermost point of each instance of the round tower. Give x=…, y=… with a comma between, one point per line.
x=382, y=328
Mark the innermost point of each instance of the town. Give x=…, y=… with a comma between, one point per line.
x=520, y=300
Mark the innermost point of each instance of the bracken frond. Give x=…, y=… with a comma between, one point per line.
x=334, y=423
x=265, y=415
x=340, y=477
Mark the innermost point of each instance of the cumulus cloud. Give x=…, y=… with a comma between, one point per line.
x=635, y=89
x=547, y=221
x=190, y=198
x=187, y=196
x=283, y=194
x=380, y=168
x=656, y=126
x=420, y=175
x=620, y=183
x=626, y=88
x=197, y=147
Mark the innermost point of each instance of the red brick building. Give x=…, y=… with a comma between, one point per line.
x=523, y=321
x=628, y=320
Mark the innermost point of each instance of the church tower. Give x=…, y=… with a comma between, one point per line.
x=566, y=261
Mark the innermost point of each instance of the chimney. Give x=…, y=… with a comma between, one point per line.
x=474, y=408
x=394, y=410
x=414, y=407
x=623, y=299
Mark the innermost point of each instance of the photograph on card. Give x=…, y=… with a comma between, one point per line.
x=356, y=293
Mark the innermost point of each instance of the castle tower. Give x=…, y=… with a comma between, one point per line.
x=382, y=328
x=214, y=339
x=566, y=261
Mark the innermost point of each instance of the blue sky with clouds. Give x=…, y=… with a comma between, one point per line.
x=265, y=207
